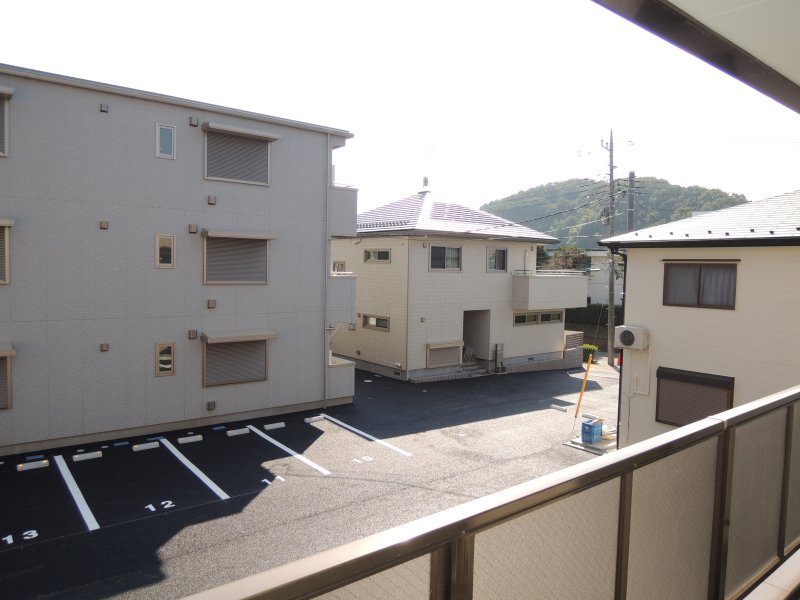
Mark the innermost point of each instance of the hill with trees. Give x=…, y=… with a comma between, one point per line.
x=575, y=211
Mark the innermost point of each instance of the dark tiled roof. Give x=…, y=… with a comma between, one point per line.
x=420, y=214
x=770, y=221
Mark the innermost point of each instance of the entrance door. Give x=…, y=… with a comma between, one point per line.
x=476, y=335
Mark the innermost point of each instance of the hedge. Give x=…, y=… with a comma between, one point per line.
x=590, y=314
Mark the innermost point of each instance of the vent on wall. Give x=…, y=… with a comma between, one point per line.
x=444, y=354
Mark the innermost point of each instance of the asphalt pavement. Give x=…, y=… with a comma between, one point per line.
x=166, y=516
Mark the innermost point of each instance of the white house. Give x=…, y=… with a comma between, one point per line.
x=712, y=314
x=445, y=291
x=598, y=279
x=164, y=262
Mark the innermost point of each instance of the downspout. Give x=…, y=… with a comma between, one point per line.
x=622, y=365
x=326, y=383
x=408, y=298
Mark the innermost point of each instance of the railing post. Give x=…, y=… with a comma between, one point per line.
x=787, y=473
x=452, y=570
x=623, y=535
x=718, y=563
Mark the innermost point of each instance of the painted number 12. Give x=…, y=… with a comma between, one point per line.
x=164, y=504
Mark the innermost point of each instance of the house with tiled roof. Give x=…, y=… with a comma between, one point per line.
x=712, y=314
x=445, y=291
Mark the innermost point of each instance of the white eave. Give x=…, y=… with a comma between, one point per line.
x=237, y=335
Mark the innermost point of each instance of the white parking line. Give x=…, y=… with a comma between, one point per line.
x=77, y=495
x=288, y=450
x=200, y=475
x=366, y=435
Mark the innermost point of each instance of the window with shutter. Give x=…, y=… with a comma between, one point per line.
x=684, y=397
x=5, y=107
x=234, y=362
x=237, y=158
x=235, y=257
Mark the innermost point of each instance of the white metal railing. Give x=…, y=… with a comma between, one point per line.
x=549, y=273
x=705, y=511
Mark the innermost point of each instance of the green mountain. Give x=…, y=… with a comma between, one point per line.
x=574, y=210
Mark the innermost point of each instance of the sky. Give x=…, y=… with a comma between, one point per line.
x=485, y=99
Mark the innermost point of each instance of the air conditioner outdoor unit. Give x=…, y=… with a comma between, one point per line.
x=630, y=337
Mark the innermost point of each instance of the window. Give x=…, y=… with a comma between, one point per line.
x=377, y=256
x=165, y=141
x=532, y=318
x=165, y=251
x=684, y=397
x=446, y=258
x=6, y=354
x=237, y=356
x=526, y=319
x=235, y=257
x=165, y=359
x=5, y=242
x=339, y=267
x=237, y=154
x=496, y=259
x=374, y=322
x=5, y=104
x=702, y=285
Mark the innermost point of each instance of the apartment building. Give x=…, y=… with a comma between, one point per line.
x=165, y=262
x=445, y=291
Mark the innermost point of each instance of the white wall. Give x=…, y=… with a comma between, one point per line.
x=756, y=343
x=74, y=285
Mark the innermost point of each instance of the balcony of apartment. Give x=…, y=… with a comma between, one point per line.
x=708, y=510
x=342, y=210
x=341, y=300
x=543, y=290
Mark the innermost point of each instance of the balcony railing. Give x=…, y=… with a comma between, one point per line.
x=543, y=290
x=704, y=511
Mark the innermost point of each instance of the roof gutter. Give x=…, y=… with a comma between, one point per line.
x=717, y=243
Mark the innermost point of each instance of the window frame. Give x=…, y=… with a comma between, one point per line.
x=5, y=117
x=159, y=153
x=490, y=251
x=240, y=235
x=537, y=317
x=5, y=240
x=368, y=258
x=692, y=377
x=159, y=264
x=159, y=346
x=242, y=132
x=376, y=327
x=7, y=353
x=669, y=265
x=262, y=336
x=339, y=263
x=445, y=267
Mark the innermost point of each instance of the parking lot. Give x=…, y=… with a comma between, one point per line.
x=163, y=516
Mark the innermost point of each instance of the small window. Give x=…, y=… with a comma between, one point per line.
x=383, y=256
x=235, y=257
x=165, y=251
x=165, y=141
x=3, y=126
x=6, y=354
x=550, y=317
x=165, y=359
x=446, y=258
x=684, y=397
x=375, y=322
x=496, y=259
x=706, y=285
x=339, y=266
x=526, y=318
x=5, y=242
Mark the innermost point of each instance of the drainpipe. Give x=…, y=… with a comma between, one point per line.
x=624, y=299
x=326, y=384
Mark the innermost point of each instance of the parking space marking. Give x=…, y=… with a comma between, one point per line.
x=77, y=495
x=366, y=435
x=197, y=472
x=288, y=450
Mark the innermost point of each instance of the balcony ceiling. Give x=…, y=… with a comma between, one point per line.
x=755, y=41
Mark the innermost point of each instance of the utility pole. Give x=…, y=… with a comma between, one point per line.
x=611, y=271
x=631, y=197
